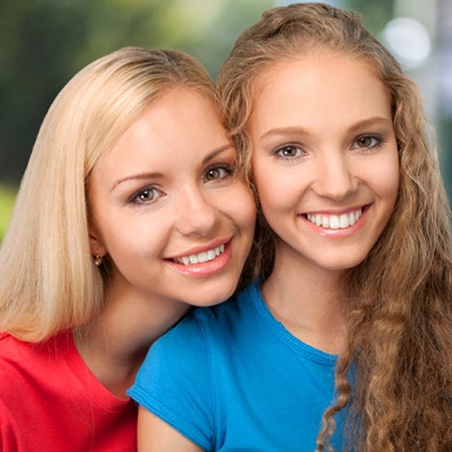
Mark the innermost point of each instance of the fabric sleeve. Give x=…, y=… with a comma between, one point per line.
x=174, y=382
x=9, y=432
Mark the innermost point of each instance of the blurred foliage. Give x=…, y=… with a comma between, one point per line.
x=375, y=13
x=45, y=42
x=7, y=196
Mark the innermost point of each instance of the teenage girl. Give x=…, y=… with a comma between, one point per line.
x=130, y=210
x=345, y=339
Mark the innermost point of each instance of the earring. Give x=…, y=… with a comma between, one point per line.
x=97, y=260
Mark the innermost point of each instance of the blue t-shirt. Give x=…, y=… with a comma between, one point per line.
x=232, y=378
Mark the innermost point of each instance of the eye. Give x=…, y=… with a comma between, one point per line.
x=218, y=172
x=289, y=151
x=148, y=195
x=367, y=142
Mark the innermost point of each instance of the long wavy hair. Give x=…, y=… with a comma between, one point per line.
x=399, y=304
x=48, y=281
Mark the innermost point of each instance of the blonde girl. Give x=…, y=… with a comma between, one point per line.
x=130, y=209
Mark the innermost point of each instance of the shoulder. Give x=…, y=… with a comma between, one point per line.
x=190, y=347
x=188, y=344
x=238, y=308
x=207, y=328
x=10, y=432
x=14, y=355
x=24, y=364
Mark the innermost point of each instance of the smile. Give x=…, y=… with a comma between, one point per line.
x=200, y=258
x=343, y=221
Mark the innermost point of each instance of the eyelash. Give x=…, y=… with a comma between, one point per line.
x=278, y=152
x=229, y=172
x=379, y=142
x=135, y=198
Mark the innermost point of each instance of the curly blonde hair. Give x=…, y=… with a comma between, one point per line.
x=399, y=305
x=48, y=282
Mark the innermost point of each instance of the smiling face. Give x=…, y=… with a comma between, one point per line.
x=168, y=209
x=324, y=158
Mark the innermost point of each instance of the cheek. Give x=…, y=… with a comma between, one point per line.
x=241, y=206
x=277, y=190
x=131, y=240
x=386, y=179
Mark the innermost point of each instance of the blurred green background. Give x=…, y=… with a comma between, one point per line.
x=45, y=42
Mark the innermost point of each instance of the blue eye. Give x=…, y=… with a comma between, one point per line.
x=218, y=172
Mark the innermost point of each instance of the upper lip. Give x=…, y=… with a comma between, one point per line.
x=201, y=248
x=336, y=211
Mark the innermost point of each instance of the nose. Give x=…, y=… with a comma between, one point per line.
x=195, y=214
x=335, y=177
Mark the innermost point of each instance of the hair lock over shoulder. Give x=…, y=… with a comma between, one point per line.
x=399, y=299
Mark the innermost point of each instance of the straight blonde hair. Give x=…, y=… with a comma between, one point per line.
x=48, y=281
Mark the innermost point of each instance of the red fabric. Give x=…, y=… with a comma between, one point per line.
x=49, y=400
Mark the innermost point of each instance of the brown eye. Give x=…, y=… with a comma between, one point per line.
x=147, y=195
x=213, y=174
x=289, y=151
x=218, y=173
x=365, y=142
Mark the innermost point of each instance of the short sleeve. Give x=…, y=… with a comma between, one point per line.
x=174, y=382
x=9, y=431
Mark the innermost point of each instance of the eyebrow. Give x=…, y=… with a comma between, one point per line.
x=140, y=176
x=216, y=152
x=287, y=131
x=157, y=175
x=374, y=121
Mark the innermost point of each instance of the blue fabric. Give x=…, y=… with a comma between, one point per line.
x=232, y=378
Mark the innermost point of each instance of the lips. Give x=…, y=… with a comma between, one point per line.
x=342, y=221
x=202, y=257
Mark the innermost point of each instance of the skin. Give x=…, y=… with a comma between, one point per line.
x=330, y=151
x=324, y=145
x=166, y=190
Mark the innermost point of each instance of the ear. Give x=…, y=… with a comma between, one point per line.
x=95, y=243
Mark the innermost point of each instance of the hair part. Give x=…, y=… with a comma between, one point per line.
x=49, y=282
x=398, y=301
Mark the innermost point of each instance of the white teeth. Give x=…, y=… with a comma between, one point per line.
x=200, y=258
x=343, y=221
x=334, y=222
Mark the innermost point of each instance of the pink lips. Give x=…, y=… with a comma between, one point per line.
x=204, y=269
x=337, y=232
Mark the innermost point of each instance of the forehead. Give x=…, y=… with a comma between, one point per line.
x=317, y=57
x=318, y=85
x=181, y=124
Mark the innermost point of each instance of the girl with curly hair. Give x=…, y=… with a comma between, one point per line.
x=345, y=339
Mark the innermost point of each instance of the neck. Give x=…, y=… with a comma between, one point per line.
x=305, y=300
x=115, y=344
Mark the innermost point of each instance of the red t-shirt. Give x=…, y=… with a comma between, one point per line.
x=50, y=401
